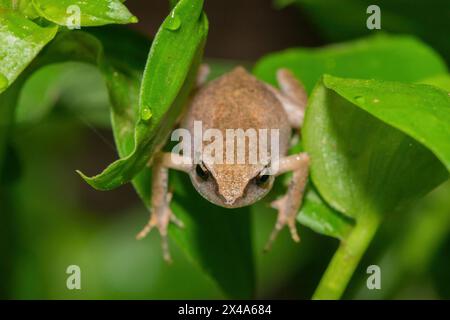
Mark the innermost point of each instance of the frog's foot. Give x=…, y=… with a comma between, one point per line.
x=289, y=205
x=160, y=218
x=286, y=217
x=161, y=215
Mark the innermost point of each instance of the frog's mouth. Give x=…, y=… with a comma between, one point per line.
x=251, y=194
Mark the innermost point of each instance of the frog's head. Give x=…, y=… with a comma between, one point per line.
x=231, y=185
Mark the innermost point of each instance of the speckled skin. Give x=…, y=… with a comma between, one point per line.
x=236, y=100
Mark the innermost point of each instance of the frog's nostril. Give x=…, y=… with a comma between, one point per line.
x=230, y=200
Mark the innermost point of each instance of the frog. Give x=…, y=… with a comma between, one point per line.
x=237, y=99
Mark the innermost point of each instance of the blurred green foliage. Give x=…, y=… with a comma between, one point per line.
x=339, y=20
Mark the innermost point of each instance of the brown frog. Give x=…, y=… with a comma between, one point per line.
x=237, y=100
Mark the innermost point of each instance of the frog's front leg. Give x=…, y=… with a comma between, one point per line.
x=289, y=205
x=161, y=214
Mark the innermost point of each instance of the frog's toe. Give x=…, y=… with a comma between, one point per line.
x=285, y=218
x=161, y=218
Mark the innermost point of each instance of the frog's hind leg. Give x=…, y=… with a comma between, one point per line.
x=203, y=74
x=161, y=214
x=292, y=96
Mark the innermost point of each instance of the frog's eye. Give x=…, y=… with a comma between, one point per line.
x=262, y=179
x=201, y=171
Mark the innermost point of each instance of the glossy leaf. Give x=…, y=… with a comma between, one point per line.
x=362, y=166
x=360, y=161
x=441, y=81
x=91, y=12
x=380, y=57
x=421, y=111
x=383, y=57
x=318, y=216
x=168, y=78
x=20, y=42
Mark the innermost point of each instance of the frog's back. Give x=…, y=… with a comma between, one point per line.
x=237, y=100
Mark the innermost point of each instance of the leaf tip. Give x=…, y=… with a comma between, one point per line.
x=327, y=78
x=89, y=180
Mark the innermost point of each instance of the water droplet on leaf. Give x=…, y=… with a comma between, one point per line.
x=146, y=114
x=173, y=23
x=360, y=99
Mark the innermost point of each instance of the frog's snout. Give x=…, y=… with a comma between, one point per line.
x=229, y=201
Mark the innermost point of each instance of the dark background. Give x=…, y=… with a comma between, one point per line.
x=239, y=29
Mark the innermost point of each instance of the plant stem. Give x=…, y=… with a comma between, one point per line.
x=346, y=259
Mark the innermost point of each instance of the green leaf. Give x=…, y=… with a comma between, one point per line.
x=369, y=155
x=400, y=58
x=360, y=161
x=91, y=12
x=421, y=111
x=318, y=216
x=380, y=57
x=20, y=42
x=441, y=81
x=25, y=7
x=59, y=85
x=168, y=78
